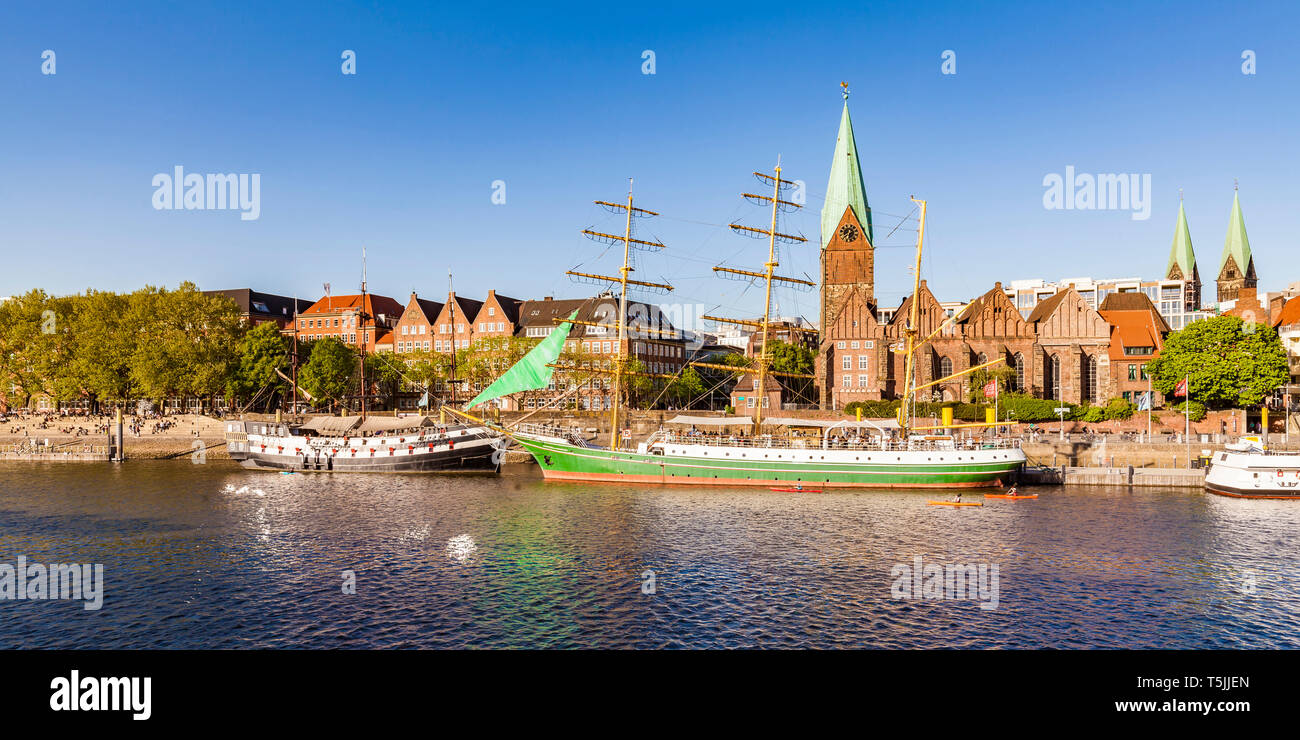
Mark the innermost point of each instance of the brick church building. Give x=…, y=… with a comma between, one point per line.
x=1065, y=349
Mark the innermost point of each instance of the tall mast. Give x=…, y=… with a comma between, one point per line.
x=629, y=243
x=293, y=408
x=769, y=266
x=451, y=329
x=768, y=276
x=913, y=327
x=622, y=321
x=364, y=315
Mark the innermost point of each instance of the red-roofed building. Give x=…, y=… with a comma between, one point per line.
x=413, y=331
x=338, y=317
x=1136, y=338
x=1287, y=321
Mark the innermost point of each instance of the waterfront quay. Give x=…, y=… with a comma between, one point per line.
x=1053, y=459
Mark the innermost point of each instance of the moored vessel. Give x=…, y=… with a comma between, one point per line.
x=351, y=444
x=908, y=456
x=1248, y=469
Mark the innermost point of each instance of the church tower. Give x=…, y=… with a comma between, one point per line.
x=847, y=255
x=1237, y=265
x=1182, y=262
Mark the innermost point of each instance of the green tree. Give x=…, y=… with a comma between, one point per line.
x=384, y=378
x=261, y=351
x=185, y=341
x=685, y=388
x=1227, y=362
x=330, y=373
x=104, y=344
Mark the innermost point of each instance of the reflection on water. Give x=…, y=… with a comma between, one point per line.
x=212, y=556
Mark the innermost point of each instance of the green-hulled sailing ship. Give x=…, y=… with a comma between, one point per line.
x=766, y=453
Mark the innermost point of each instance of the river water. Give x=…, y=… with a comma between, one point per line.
x=212, y=556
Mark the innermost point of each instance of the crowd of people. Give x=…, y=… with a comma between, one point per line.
x=83, y=423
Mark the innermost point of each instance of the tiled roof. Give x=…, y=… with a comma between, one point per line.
x=1290, y=313
x=1045, y=308
x=375, y=305
x=248, y=300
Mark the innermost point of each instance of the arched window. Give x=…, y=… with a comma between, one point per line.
x=1052, y=378
x=945, y=367
x=1091, y=393
x=981, y=358
x=1019, y=363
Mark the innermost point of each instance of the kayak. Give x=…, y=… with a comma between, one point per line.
x=1007, y=495
x=286, y=472
x=954, y=503
x=798, y=490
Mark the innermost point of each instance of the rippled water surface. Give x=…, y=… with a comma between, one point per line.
x=212, y=556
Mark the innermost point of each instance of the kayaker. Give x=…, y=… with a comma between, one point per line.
x=957, y=499
x=1011, y=491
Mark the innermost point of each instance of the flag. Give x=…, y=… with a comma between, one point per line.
x=1181, y=389
x=991, y=388
x=1144, y=401
x=424, y=400
x=533, y=371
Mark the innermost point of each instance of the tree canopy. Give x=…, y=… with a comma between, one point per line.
x=1228, y=362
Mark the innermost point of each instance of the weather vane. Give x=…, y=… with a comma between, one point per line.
x=844, y=88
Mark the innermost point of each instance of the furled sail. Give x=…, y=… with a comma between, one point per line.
x=532, y=372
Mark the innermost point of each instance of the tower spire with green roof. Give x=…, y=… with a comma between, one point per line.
x=1181, y=256
x=1182, y=261
x=1236, y=264
x=845, y=187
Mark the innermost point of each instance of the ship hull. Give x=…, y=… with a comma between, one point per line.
x=1254, y=475
x=697, y=465
x=457, y=449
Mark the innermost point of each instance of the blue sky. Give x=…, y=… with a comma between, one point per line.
x=551, y=100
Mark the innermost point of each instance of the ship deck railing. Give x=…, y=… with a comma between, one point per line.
x=570, y=434
x=814, y=443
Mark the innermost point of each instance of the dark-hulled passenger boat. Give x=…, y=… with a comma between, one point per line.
x=375, y=444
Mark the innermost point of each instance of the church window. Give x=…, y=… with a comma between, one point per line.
x=1053, y=377
x=1090, y=380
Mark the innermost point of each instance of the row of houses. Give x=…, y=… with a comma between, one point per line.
x=422, y=326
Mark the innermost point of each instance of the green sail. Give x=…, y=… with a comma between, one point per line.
x=531, y=372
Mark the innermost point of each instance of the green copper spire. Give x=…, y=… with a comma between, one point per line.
x=1181, y=254
x=845, y=187
x=1236, y=245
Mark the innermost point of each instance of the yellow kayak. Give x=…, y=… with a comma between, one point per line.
x=955, y=503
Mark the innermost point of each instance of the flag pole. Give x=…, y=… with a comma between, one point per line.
x=1187, y=410
x=1150, y=403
